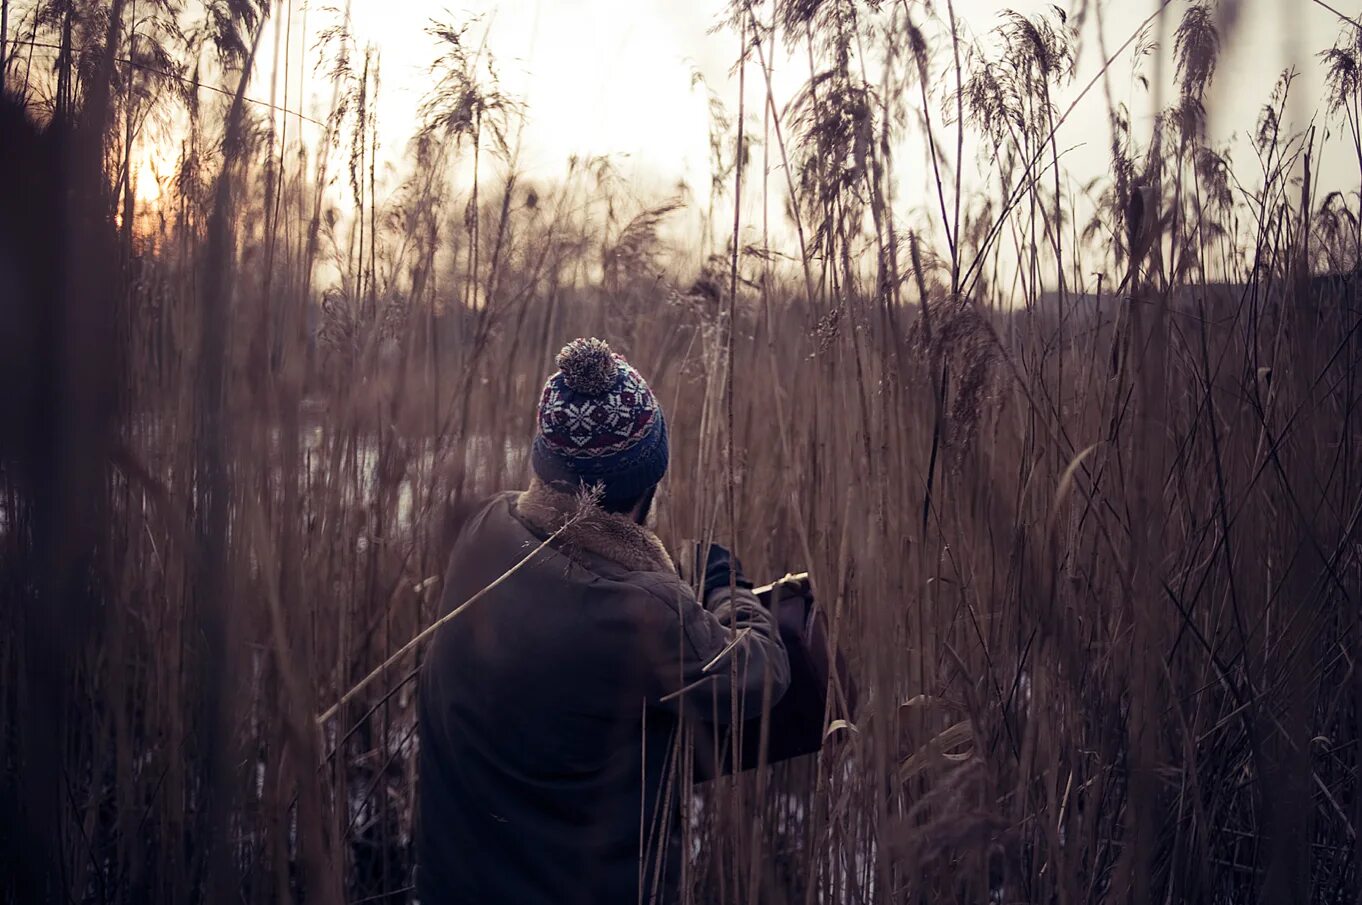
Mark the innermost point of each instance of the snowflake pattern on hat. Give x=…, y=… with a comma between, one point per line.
x=580, y=426
x=599, y=425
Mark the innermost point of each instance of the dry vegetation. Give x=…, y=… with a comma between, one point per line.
x=1091, y=543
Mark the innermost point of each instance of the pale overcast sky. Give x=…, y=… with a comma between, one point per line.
x=615, y=77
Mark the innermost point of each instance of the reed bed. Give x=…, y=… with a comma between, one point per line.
x=1079, y=486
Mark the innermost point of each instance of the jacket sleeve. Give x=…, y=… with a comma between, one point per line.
x=715, y=660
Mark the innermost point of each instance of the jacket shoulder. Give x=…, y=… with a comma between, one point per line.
x=672, y=607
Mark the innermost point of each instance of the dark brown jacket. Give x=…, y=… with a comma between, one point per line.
x=549, y=707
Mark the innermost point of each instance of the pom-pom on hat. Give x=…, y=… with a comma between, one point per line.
x=599, y=424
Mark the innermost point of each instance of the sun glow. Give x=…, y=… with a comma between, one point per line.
x=146, y=184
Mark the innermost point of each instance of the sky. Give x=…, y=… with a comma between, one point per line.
x=616, y=77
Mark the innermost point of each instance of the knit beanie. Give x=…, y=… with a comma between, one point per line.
x=599, y=425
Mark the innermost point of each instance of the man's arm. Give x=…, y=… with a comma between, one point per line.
x=715, y=659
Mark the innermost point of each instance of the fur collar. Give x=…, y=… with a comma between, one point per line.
x=606, y=534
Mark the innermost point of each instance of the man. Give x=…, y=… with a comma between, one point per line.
x=549, y=708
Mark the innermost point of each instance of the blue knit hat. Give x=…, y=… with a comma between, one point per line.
x=599, y=424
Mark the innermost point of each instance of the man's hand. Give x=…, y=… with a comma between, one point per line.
x=721, y=569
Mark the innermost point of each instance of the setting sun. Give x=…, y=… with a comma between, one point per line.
x=147, y=184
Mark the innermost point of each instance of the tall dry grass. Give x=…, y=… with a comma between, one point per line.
x=1079, y=487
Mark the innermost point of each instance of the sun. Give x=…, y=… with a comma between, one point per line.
x=146, y=184
x=148, y=188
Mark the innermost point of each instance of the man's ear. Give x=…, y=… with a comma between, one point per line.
x=644, y=509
